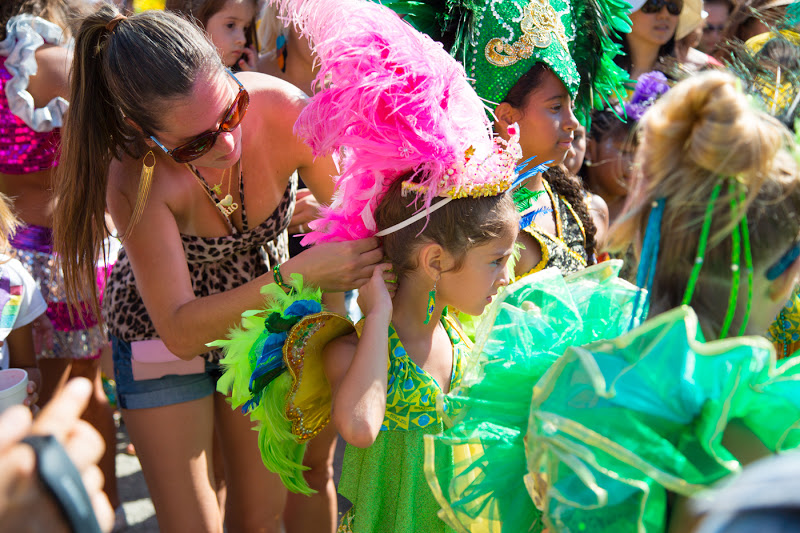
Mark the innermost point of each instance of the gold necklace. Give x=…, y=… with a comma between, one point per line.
x=226, y=206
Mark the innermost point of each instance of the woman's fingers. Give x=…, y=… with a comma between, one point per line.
x=84, y=445
x=14, y=424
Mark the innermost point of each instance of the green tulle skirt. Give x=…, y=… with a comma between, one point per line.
x=562, y=429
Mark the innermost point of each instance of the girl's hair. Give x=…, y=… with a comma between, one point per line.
x=458, y=227
x=202, y=10
x=59, y=12
x=562, y=184
x=135, y=72
x=745, y=13
x=8, y=223
x=702, y=130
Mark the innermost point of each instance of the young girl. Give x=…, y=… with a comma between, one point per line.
x=231, y=25
x=612, y=143
x=22, y=303
x=530, y=64
x=616, y=427
x=423, y=170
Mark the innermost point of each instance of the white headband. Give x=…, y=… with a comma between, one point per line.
x=411, y=220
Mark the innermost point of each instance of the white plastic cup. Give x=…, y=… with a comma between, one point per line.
x=13, y=387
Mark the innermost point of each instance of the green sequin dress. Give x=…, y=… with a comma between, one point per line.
x=386, y=482
x=592, y=437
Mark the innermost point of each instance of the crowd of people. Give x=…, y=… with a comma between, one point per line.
x=573, y=227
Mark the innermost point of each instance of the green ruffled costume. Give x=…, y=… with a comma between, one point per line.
x=386, y=482
x=274, y=372
x=593, y=439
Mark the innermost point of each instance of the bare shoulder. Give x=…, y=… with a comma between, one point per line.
x=337, y=356
x=269, y=93
x=52, y=75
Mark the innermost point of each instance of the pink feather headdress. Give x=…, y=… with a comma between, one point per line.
x=394, y=104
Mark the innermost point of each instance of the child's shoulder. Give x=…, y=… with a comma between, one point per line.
x=12, y=269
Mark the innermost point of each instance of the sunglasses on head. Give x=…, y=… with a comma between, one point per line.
x=674, y=7
x=191, y=150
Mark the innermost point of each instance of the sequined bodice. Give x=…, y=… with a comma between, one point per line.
x=22, y=150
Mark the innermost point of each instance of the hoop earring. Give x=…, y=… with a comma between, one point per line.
x=431, y=303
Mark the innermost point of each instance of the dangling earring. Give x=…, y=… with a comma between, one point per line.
x=431, y=303
x=145, y=180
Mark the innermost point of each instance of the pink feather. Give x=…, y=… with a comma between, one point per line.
x=393, y=101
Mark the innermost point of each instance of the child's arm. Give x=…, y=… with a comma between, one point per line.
x=356, y=368
x=22, y=355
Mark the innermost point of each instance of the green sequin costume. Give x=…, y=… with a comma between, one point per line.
x=498, y=41
x=386, y=482
x=575, y=423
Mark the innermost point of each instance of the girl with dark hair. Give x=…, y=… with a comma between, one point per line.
x=422, y=170
x=201, y=191
x=531, y=61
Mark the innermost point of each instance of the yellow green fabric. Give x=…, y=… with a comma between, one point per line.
x=386, y=482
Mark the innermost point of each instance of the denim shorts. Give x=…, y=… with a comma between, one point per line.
x=167, y=390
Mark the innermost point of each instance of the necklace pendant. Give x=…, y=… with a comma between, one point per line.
x=227, y=210
x=227, y=201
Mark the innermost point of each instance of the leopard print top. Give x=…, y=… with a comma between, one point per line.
x=216, y=264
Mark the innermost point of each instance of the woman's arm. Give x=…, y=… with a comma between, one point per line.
x=356, y=367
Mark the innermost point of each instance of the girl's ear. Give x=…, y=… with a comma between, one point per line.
x=505, y=115
x=431, y=257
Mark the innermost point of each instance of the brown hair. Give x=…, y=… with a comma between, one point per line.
x=702, y=130
x=202, y=10
x=459, y=226
x=146, y=63
x=562, y=184
x=59, y=12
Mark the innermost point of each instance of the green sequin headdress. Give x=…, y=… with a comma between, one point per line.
x=498, y=41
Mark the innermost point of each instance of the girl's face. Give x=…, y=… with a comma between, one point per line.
x=228, y=29
x=483, y=271
x=655, y=29
x=611, y=160
x=182, y=122
x=546, y=122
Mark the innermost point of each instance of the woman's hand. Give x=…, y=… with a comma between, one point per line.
x=376, y=295
x=336, y=266
x=306, y=209
x=247, y=63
